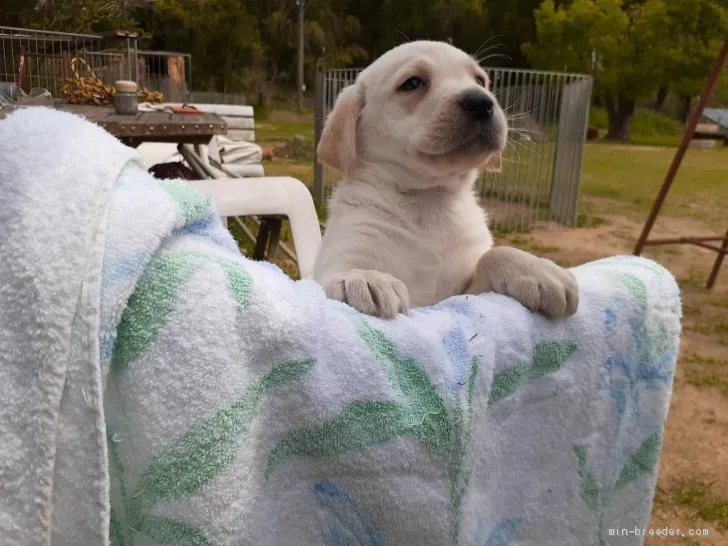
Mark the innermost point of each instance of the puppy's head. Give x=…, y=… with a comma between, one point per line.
x=424, y=109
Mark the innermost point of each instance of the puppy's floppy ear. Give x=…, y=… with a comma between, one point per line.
x=493, y=163
x=337, y=147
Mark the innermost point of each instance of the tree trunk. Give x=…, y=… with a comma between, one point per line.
x=685, y=103
x=660, y=99
x=620, y=112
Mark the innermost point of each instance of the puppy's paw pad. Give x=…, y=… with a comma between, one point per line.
x=537, y=283
x=371, y=292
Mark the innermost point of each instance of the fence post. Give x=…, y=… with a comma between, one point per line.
x=573, y=121
x=318, y=114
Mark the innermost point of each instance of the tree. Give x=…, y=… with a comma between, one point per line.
x=634, y=48
x=692, y=36
x=615, y=40
x=221, y=34
x=392, y=22
x=78, y=16
x=510, y=23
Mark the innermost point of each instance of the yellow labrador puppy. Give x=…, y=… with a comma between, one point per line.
x=404, y=227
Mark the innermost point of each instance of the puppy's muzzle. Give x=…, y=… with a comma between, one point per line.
x=476, y=105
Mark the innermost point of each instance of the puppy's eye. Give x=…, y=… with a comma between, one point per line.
x=413, y=84
x=480, y=80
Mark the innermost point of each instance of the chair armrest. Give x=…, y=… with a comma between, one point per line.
x=271, y=195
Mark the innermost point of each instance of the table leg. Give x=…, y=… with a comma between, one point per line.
x=274, y=236
x=261, y=241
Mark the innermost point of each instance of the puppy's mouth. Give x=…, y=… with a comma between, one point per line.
x=476, y=144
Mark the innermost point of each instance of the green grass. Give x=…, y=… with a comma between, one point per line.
x=714, y=326
x=695, y=358
x=648, y=127
x=267, y=132
x=690, y=311
x=272, y=128
x=702, y=380
x=500, y=230
x=585, y=220
x=695, y=280
x=529, y=245
x=703, y=504
x=632, y=176
x=302, y=170
x=705, y=372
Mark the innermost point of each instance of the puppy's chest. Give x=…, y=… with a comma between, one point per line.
x=439, y=260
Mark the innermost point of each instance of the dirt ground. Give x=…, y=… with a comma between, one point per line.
x=693, y=478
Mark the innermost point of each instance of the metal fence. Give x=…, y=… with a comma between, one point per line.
x=170, y=73
x=541, y=168
x=38, y=59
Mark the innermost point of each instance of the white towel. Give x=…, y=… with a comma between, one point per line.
x=241, y=407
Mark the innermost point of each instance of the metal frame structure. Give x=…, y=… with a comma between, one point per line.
x=31, y=58
x=704, y=242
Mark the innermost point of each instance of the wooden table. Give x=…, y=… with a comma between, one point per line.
x=196, y=128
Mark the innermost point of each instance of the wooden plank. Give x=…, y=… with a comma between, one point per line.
x=151, y=126
x=158, y=123
x=90, y=112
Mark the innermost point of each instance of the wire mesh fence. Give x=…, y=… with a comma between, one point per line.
x=168, y=72
x=541, y=167
x=37, y=59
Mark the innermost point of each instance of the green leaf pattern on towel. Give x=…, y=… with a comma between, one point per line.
x=172, y=533
x=548, y=357
x=156, y=296
x=598, y=497
x=359, y=425
x=641, y=462
x=201, y=453
x=197, y=458
x=419, y=411
x=650, y=348
x=194, y=204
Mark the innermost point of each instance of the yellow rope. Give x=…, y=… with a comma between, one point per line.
x=89, y=89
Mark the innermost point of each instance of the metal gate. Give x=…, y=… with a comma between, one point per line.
x=548, y=114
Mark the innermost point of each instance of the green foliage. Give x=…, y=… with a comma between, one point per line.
x=631, y=47
x=221, y=34
x=704, y=503
x=598, y=118
x=690, y=41
x=79, y=16
x=646, y=123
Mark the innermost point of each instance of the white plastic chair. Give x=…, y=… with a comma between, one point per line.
x=271, y=195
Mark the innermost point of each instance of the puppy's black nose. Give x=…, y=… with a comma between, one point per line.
x=477, y=105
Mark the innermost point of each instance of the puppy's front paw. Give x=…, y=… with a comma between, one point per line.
x=370, y=292
x=537, y=283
